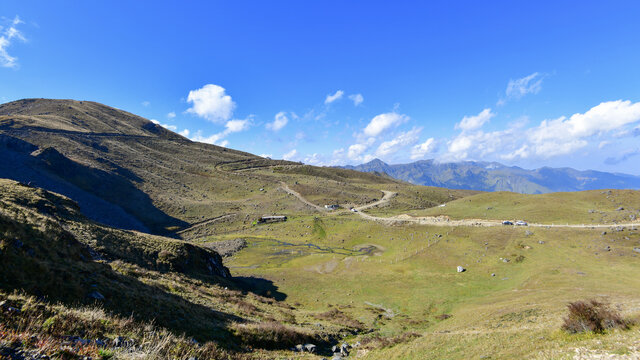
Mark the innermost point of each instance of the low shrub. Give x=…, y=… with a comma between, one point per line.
x=593, y=316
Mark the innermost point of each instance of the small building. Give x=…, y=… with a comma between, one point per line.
x=332, y=207
x=272, y=218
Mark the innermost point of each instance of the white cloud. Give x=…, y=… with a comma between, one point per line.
x=393, y=146
x=146, y=103
x=562, y=136
x=314, y=159
x=212, y=103
x=171, y=115
x=290, y=155
x=384, y=121
x=421, y=150
x=565, y=135
x=356, y=150
x=266, y=155
x=232, y=126
x=357, y=99
x=6, y=39
x=331, y=98
x=184, y=133
x=279, y=122
x=474, y=122
x=531, y=84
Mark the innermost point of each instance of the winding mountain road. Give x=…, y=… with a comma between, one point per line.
x=287, y=189
x=440, y=220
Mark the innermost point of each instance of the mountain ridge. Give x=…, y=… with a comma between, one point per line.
x=494, y=176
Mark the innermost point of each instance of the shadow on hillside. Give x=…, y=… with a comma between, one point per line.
x=259, y=286
x=105, y=197
x=53, y=265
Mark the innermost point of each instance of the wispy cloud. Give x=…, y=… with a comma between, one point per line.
x=623, y=157
x=291, y=155
x=8, y=35
x=331, y=98
x=383, y=122
x=475, y=122
x=531, y=84
x=517, y=88
x=232, y=126
x=279, y=121
x=357, y=99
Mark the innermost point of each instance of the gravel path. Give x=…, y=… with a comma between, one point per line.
x=441, y=220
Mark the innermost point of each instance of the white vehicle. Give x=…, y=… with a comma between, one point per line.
x=521, y=223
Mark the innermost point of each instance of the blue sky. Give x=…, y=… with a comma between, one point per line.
x=342, y=82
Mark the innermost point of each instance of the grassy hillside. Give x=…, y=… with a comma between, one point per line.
x=109, y=232
x=585, y=207
x=51, y=254
x=128, y=172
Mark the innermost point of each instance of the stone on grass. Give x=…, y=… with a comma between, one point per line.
x=461, y=269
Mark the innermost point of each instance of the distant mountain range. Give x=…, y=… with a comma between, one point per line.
x=493, y=176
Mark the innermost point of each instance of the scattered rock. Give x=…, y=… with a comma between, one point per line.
x=528, y=233
x=636, y=249
x=461, y=269
x=540, y=242
x=607, y=248
x=620, y=208
x=604, y=233
x=505, y=260
x=310, y=348
x=493, y=274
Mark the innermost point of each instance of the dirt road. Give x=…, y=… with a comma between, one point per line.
x=286, y=188
x=441, y=220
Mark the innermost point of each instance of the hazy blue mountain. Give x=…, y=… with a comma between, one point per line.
x=493, y=176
